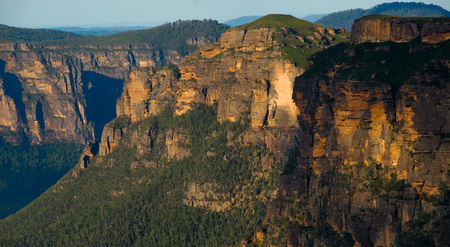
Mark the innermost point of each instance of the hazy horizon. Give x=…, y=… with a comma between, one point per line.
x=98, y=13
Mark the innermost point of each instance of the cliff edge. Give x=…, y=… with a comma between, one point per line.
x=382, y=28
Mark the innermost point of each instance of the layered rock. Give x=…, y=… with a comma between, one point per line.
x=372, y=161
x=400, y=29
x=245, y=74
x=145, y=91
x=47, y=94
x=58, y=93
x=68, y=90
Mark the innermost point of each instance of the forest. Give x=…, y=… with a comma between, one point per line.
x=344, y=19
x=26, y=171
x=26, y=35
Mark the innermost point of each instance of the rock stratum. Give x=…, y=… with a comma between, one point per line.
x=372, y=164
x=68, y=91
x=379, y=28
x=246, y=74
x=247, y=142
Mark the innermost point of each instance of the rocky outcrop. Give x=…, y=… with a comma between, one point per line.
x=237, y=72
x=400, y=29
x=175, y=144
x=245, y=74
x=205, y=196
x=372, y=159
x=43, y=97
x=89, y=152
x=67, y=93
x=110, y=139
x=144, y=93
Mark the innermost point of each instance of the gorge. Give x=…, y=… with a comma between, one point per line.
x=279, y=134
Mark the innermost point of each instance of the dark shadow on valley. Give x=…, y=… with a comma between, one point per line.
x=101, y=94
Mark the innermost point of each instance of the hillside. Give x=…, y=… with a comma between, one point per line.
x=171, y=35
x=277, y=21
x=80, y=77
x=192, y=158
x=67, y=93
x=27, y=171
x=248, y=143
x=28, y=35
x=345, y=19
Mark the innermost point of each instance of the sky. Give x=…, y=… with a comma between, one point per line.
x=89, y=13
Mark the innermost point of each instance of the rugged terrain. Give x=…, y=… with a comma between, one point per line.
x=66, y=89
x=344, y=19
x=220, y=125
x=248, y=142
x=372, y=164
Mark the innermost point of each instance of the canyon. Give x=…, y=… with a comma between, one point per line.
x=337, y=144
x=68, y=92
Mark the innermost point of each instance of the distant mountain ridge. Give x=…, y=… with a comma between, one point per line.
x=242, y=20
x=100, y=31
x=344, y=19
x=16, y=34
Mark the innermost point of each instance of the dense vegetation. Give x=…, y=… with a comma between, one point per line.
x=345, y=19
x=301, y=39
x=379, y=63
x=27, y=171
x=122, y=200
x=22, y=35
x=167, y=35
x=271, y=21
x=182, y=36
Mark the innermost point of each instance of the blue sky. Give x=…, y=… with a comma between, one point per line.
x=39, y=13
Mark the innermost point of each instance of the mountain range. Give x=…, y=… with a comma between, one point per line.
x=275, y=132
x=280, y=133
x=344, y=19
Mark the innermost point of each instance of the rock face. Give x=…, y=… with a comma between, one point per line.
x=245, y=74
x=144, y=92
x=42, y=98
x=51, y=93
x=400, y=29
x=371, y=166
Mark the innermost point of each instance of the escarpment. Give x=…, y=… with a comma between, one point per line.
x=351, y=150
x=247, y=73
x=66, y=89
x=58, y=93
x=400, y=29
x=372, y=164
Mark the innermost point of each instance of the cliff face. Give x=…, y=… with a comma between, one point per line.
x=63, y=93
x=371, y=166
x=245, y=74
x=42, y=98
x=353, y=151
x=397, y=29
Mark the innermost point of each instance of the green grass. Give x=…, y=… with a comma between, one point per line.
x=276, y=20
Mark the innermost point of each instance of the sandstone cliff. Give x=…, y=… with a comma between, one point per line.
x=371, y=167
x=65, y=93
x=247, y=73
x=352, y=151
x=400, y=29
